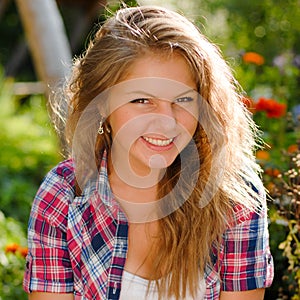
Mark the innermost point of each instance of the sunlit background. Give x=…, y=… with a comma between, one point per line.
x=259, y=39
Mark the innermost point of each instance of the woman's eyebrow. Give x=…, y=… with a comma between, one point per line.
x=148, y=94
x=186, y=92
x=141, y=92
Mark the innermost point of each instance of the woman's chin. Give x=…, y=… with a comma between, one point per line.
x=158, y=161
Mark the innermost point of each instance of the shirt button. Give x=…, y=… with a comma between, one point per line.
x=121, y=247
x=115, y=288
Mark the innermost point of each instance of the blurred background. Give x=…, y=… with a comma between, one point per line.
x=259, y=39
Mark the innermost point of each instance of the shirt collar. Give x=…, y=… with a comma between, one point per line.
x=98, y=191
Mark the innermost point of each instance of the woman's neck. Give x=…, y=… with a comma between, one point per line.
x=138, y=202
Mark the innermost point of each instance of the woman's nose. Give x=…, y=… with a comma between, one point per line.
x=165, y=115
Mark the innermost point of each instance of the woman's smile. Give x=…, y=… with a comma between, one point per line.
x=158, y=144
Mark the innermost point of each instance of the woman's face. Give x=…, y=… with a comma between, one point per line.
x=153, y=113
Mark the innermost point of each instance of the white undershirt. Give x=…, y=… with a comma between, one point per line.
x=135, y=288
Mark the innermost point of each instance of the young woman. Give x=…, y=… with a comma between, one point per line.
x=159, y=198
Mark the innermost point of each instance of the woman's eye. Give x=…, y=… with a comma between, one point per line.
x=140, y=100
x=184, y=99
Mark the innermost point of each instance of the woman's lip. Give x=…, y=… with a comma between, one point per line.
x=158, y=141
x=158, y=144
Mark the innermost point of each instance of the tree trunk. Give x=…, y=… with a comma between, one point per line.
x=47, y=40
x=48, y=45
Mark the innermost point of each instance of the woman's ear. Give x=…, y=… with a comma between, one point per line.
x=103, y=111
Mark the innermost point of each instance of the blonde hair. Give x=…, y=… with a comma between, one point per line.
x=189, y=233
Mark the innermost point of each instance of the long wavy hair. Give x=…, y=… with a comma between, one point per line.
x=225, y=153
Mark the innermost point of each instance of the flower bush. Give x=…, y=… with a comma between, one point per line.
x=279, y=122
x=284, y=188
x=13, y=251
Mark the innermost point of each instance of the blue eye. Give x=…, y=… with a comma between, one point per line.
x=184, y=99
x=140, y=100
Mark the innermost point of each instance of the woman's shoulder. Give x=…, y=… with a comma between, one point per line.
x=64, y=170
x=55, y=194
x=60, y=176
x=256, y=208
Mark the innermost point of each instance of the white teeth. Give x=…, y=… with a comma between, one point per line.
x=158, y=142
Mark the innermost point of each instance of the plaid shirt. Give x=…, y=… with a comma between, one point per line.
x=79, y=244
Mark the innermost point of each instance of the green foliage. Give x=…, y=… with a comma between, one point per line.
x=269, y=27
x=28, y=150
x=14, y=54
x=285, y=190
x=12, y=259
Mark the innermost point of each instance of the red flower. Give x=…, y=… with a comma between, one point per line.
x=253, y=58
x=249, y=104
x=272, y=172
x=273, y=108
x=293, y=148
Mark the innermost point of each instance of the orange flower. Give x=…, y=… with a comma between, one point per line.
x=23, y=251
x=262, y=155
x=16, y=249
x=253, y=58
x=276, y=173
x=292, y=148
x=273, y=108
x=13, y=247
x=271, y=187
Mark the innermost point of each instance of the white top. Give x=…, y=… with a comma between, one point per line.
x=135, y=288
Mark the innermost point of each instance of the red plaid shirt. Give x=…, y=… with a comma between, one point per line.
x=79, y=244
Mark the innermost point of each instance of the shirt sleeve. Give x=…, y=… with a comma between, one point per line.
x=247, y=263
x=48, y=266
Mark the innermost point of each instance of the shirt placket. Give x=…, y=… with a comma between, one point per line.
x=118, y=262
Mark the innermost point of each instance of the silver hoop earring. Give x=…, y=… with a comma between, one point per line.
x=101, y=129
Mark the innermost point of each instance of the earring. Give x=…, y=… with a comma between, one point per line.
x=100, y=129
x=107, y=129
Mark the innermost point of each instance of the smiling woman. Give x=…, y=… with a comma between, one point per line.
x=159, y=197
